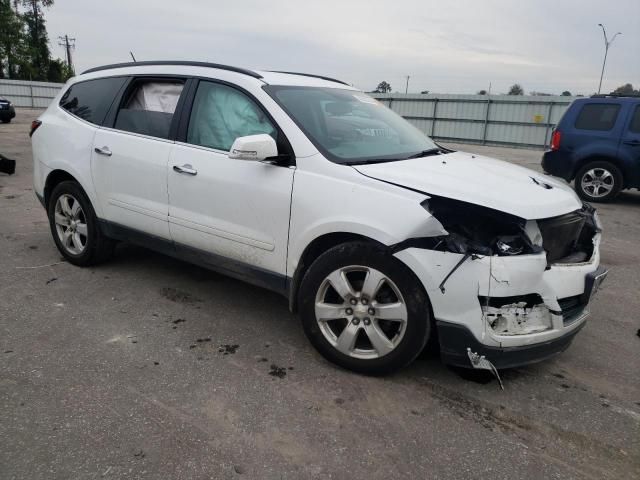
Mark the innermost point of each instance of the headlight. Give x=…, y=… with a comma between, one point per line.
x=481, y=230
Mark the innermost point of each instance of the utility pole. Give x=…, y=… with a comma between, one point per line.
x=68, y=44
x=406, y=88
x=607, y=44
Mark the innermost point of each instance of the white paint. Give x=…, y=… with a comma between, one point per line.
x=481, y=180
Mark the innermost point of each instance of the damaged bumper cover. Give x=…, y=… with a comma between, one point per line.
x=455, y=339
x=514, y=309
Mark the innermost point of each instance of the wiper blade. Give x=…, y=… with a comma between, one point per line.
x=374, y=160
x=426, y=153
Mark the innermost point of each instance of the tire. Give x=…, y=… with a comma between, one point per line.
x=6, y=120
x=608, y=177
x=74, y=226
x=355, y=339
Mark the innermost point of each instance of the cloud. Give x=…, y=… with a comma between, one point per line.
x=457, y=46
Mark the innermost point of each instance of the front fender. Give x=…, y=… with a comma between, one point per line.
x=323, y=204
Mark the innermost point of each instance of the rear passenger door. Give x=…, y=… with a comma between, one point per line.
x=129, y=161
x=630, y=146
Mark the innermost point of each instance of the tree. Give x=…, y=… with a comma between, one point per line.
x=566, y=93
x=12, y=46
x=482, y=92
x=516, y=89
x=626, y=89
x=59, y=71
x=37, y=39
x=383, y=87
x=24, y=43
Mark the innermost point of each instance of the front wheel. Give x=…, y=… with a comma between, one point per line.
x=598, y=181
x=363, y=309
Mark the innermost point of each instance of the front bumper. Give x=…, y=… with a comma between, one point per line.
x=455, y=339
x=564, y=290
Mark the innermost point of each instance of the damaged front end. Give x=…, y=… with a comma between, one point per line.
x=483, y=231
x=518, y=315
x=480, y=230
x=500, y=283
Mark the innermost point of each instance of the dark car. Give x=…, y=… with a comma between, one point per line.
x=7, y=112
x=597, y=144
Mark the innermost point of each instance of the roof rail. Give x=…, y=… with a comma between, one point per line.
x=175, y=62
x=310, y=75
x=616, y=95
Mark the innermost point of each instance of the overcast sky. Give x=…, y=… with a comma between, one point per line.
x=445, y=46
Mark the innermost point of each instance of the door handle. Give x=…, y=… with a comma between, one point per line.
x=186, y=168
x=633, y=143
x=103, y=151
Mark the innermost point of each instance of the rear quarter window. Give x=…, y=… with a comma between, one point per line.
x=597, y=116
x=91, y=99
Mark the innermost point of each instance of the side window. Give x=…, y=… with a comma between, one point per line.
x=598, y=116
x=148, y=107
x=91, y=100
x=221, y=114
x=635, y=121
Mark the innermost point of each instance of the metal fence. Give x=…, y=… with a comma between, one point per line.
x=515, y=121
x=23, y=93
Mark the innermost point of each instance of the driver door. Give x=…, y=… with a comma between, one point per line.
x=232, y=215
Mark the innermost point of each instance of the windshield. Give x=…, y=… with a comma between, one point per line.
x=350, y=127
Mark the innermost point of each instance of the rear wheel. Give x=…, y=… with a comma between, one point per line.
x=598, y=181
x=6, y=120
x=74, y=226
x=363, y=309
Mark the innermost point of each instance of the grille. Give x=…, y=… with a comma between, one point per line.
x=571, y=308
x=561, y=234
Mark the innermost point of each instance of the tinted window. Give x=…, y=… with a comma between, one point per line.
x=91, y=100
x=221, y=114
x=148, y=108
x=635, y=121
x=598, y=116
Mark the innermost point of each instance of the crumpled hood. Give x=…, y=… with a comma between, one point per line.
x=481, y=180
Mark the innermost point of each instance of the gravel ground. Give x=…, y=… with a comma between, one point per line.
x=147, y=367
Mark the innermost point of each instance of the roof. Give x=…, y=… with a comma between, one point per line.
x=268, y=77
x=616, y=95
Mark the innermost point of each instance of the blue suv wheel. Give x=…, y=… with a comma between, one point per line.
x=598, y=181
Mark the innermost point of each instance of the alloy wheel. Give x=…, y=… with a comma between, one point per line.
x=597, y=182
x=361, y=312
x=71, y=224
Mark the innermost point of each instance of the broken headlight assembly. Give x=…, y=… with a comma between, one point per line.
x=474, y=229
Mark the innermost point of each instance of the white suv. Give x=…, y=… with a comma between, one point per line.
x=380, y=239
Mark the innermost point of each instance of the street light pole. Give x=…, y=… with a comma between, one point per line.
x=607, y=44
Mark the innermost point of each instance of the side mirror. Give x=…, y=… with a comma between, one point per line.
x=254, y=147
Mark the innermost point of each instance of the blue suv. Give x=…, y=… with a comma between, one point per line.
x=597, y=144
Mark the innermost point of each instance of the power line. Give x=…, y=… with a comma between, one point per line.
x=68, y=44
